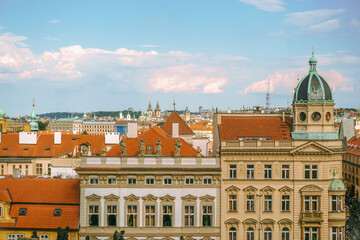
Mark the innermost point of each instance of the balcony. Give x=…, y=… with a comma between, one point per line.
x=257, y=144
x=311, y=216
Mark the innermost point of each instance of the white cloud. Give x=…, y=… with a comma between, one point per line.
x=51, y=38
x=312, y=17
x=266, y=5
x=285, y=81
x=1, y=27
x=54, y=21
x=326, y=26
x=149, y=46
x=188, y=78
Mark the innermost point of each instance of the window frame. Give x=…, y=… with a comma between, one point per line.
x=166, y=180
x=233, y=171
x=268, y=171
x=94, y=180
x=150, y=215
x=189, y=180
x=250, y=202
x=94, y=207
x=108, y=214
x=250, y=171
x=207, y=213
x=207, y=180
x=268, y=203
x=285, y=171
x=189, y=216
x=134, y=214
x=285, y=203
x=170, y=213
x=149, y=180
x=232, y=207
x=131, y=180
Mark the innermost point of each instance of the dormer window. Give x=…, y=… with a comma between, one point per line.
x=57, y=212
x=22, y=211
x=73, y=138
x=47, y=148
x=26, y=148
x=149, y=148
x=5, y=148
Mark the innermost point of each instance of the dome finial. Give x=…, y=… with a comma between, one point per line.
x=313, y=51
x=33, y=102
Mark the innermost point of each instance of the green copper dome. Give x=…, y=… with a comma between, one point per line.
x=34, y=126
x=313, y=87
x=2, y=113
x=336, y=184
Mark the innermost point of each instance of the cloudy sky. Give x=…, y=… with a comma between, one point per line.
x=111, y=55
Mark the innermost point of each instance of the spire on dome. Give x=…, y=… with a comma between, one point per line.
x=34, y=126
x=312, y=63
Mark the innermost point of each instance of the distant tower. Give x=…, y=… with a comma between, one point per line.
x=200, y=109
x=187, y=114
x=2, y=121
x=33, y=124
x=157, y=111
x=268, y=98
x=149, y=110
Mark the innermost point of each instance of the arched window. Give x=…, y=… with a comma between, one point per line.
x=250, y=234
x=232, y=233
x=285, y=234
x=267, y=234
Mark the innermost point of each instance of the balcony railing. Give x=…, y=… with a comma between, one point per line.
x=312, y=216
x=257, y=144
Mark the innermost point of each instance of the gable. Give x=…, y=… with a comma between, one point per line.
x=311, y=148
x=174, y=117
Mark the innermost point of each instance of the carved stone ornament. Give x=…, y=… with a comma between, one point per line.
x=250, y=221
x=207, y=198
x=132, y=198
x=286, y=190
x=311, y=188
x=198, y=150
x=93, y=197
x=285, y=222
x=267, y=190
x=189, y=198
x=250, y=190
x=311, y=148
x=167, y=198
x=167, y=238
x=123, y=148
x=206, y=238
x=232, y=189
x=218, y=152
x=177, y=148
x=158, y=148
x=189, y=238
x=142, y=147
x=267, y=222
x=111, y=197
x=149, y=197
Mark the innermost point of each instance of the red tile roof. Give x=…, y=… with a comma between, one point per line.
x=5, y=196
x=49, y=191
x=354, y=146
x=233, y=128
x=14, y=149
x=174, y=117
x=151, y=136
x=41, y=197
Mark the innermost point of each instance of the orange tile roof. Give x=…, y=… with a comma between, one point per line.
x=354, y=146
x=232, y=128
x=41, y=216
x=5, y=196
x=49, y=191
x=174, y=117
x=14, y=149
x=151, y=136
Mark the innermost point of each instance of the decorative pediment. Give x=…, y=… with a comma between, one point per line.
x=267, y=190
x=250, y=190
x=285, y=221
x=167, y=198
x=206, y=238
x=311, y=148
x=132, y=198
x=232, y=221
x=149, y=197
x=189, y=238
x=311, y=188
x=267, y=221
x=93, y=197
x=111, y=197
x=249, y=221
x=232, y=189
x=286, y=190
x=189, y=198
x=207, y=198
x=167, y=238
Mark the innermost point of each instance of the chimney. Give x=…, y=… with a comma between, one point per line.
x=132, y=129
x=28, y=137
x=57, y=137
x=112, y=138
x=283, y=116
x=175, y=130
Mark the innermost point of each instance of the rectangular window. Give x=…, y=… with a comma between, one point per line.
x=93, y=215
x=233, y=171
x=44, y=237
x=207, y=216
x=250, y=203
x=189, y=216
x=285, y=171
x=314, y=172
x=39, y=169
x=268, y=203
x=1, y=211
x=111, y=212
x=232, y=202
x=268, y=172
x=250, y=169
x=131, y=216
x=207, y=180
x=94, y=180
x=2, y=170
x=26, y=169
x=131, y=180
x=149, y=180
x=189, y=180
x=314, y=204
x=111, y=180
x=334, y=233
x=49, y=169
x=334, y=203
x=167, y=216
x=14, y=236
x=150, y=216
x=311, y=233
x=307, y=171
x=285, y=203
x=167, y=180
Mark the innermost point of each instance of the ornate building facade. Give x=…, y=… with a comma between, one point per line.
x=279, y=175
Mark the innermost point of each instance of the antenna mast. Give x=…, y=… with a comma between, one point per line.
x=268, y=98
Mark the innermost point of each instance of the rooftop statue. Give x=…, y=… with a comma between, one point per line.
x=158, y=148
x=123, y=148
x=142, y=147
x=177, y=147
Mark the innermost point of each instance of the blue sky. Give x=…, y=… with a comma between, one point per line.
x=111, y=55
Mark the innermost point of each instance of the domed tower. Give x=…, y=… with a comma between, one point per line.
x=150, y=110
x=34, y=126
x=313, y=107
x=2, y=121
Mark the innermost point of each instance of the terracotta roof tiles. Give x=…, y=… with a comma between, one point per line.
x=174, y=117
